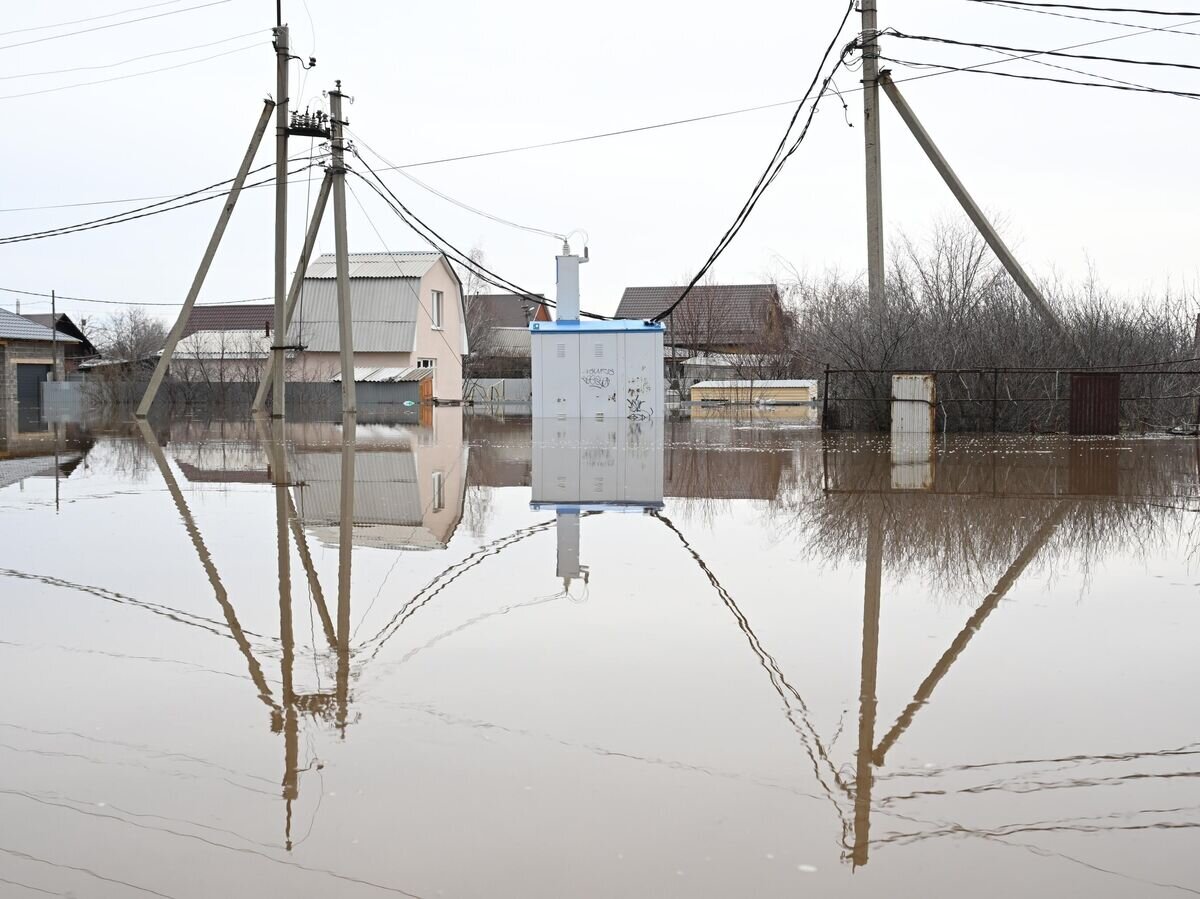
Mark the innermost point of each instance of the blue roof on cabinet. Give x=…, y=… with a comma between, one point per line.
x=622, y=325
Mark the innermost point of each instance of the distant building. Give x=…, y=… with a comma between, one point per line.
x=714, y=318
x=769, y=392
x=223, y=343
x=498, y=328
x=74, y=353
x=408, y=314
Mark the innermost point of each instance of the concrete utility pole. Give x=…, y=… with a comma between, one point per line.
x=54, y=327
x=870, y=80
x=1003, y=253
x=310, y=239
x=281, y=177
x=341, y=251
x=164, y=361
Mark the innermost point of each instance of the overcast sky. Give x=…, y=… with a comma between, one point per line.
x=1074, y=173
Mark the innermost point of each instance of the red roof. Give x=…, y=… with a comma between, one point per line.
x=242, y=317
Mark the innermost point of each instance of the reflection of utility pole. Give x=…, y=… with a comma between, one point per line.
x=290, y=722
x=235, y=628
x=867, y=699
x=970, y=629
x=345, y=555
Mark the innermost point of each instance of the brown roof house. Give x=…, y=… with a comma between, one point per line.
x=224, y=343
x=498, y=328
x=714, y=318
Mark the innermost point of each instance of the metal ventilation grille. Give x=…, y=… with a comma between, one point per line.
x=599, y=350
x=560, y=350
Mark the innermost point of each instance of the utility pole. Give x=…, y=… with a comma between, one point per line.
x=54, y=327
x=341, y=251
x=870, y=69
x=281, y=175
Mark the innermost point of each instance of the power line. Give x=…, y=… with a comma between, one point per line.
x=107, y=15
x=160, y=15
x=123, y=62
x=1125, y=9
x=981, y=71
x=440, y=331
x=14, y=238
x=444, y=246
x=451, y=200
x=180, y=65
x=1173, y=29
x=778, y=159
x=1054, y=65
x=1170, y=29
x=130, y=217
x=982, y=46
x=34, y=293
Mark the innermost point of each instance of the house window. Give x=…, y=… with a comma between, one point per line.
x=439, y=491
x=436, y=304
x=426, y=363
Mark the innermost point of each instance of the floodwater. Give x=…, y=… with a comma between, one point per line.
x=470, y=657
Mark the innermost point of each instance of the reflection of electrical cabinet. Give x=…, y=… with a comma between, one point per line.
x=588, y=465
x=600, y=370
x=597, y=464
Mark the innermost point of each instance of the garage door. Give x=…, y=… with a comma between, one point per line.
x=29, y=384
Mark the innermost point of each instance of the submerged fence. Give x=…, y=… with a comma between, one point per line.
x=1160, y=396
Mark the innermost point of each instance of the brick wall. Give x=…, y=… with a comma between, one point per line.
x=13, y=353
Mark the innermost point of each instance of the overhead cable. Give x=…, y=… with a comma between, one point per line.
x=980, y=71
x=178, y=65
x=777, y=161
x=107, y=15
x=55, y=37
x=16, y=238
x=1085, y=8
x=1034, y=52
x=452, y=200
x=124, y=62
x=61, y=296
x=130, y=216
x=1170, y=29
x=444, y=246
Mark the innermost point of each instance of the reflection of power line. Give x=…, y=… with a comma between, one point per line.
x=778, y=680
x=446, y=577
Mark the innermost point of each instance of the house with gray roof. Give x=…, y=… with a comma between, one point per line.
x=29, y=353
x=407, y=315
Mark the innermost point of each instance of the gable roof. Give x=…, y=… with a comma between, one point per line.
x=240, y=317
x=733, y=311
x=506, y=310
x=376, y=265
x=18, y=327
x=64, y=326
x=384, y=314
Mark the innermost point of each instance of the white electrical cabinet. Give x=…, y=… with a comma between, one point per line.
x=597, y=370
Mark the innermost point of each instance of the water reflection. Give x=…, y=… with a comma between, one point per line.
x=841, y=650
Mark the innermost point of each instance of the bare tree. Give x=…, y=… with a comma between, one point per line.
x=129, y=335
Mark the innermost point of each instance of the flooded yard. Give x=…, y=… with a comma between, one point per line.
x=475, y=656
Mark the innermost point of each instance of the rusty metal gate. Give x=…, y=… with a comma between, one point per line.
x=1095, y=403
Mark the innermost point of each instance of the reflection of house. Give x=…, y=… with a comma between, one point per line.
x=407, y=314
x=408, y=485
x=73, y=353
x=224, y=343
x=27, y=359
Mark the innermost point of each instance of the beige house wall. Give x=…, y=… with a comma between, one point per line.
x=444, y=345
x=755, y=394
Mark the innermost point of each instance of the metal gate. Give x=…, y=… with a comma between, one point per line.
x=1095, y=403
x=30, y=379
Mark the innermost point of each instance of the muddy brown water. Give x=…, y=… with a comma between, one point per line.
x=707, y=658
